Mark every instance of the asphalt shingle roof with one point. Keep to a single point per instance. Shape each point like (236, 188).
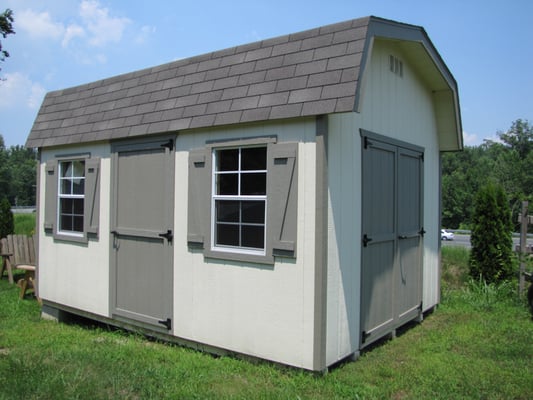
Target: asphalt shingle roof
(307, 73)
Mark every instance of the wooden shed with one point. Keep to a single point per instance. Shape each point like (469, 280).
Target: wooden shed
(278, 199)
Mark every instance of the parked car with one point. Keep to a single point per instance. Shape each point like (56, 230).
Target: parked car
(445, 235)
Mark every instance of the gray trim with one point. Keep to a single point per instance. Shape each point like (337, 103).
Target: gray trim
(321, 244)
(389, 140)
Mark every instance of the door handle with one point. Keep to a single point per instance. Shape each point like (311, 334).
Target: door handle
(167, 235)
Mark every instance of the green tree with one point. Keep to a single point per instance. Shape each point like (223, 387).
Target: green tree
(491, 255)
(7, 224)
(6, 28)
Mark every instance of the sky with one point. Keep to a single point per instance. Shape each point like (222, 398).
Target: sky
(487, 45)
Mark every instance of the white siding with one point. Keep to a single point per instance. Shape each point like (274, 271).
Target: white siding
(264, 311)
(75, 274)
(401, 108)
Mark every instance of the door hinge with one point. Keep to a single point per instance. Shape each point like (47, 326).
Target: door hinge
(167, 235)
(364, 336)
(167, 323)
(421, 232)
(366, 240)
(169, 145)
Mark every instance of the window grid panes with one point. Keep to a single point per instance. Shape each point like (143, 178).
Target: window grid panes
(239, 201)
(71, 196)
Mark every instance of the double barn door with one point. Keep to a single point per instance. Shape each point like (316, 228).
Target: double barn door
(392, 234)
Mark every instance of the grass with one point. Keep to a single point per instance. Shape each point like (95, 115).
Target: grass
(477, 344)
(24, 224)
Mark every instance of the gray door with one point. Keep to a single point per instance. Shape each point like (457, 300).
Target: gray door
(391, 272)
(142, 231)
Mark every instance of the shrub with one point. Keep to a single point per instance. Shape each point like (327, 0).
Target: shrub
(491, 255)
(7, 224)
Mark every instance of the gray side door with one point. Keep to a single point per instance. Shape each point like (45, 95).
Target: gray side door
(379, 240)
(391, 270)
(142, 231)
(410, 232)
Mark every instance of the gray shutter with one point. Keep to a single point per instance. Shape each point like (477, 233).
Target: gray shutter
(198, 198)
(282, 198)
(92, 195)
(50, 195)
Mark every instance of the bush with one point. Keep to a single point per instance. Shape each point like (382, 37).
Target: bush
(7, 224)
(492, 242)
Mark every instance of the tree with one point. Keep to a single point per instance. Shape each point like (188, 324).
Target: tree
(6, 28)
(491, 255)
(7, 224)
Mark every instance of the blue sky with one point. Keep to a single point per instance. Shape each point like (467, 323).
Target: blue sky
(62, 43)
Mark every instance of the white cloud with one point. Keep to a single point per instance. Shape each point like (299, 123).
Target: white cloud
(144, 34)
(470, 139)
(18, 90)
(72, 32)
(102, 27)
(39, 25)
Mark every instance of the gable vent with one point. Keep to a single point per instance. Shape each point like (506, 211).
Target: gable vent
(395, 66)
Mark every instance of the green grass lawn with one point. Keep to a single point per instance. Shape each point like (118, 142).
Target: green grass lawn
(477, 344)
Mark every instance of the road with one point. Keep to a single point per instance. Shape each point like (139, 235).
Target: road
(464, 240)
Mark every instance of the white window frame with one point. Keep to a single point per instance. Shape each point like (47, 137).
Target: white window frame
(61, 196)
(215, 197)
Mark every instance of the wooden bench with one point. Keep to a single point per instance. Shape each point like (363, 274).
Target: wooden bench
(18, 252)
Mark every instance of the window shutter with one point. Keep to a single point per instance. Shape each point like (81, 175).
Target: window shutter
(199, 198)
(92, 195)
(50, 195)
(282, 198)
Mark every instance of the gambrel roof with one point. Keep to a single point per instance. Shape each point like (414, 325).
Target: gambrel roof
(308, 73)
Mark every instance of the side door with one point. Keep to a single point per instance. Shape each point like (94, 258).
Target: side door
(142, 232)
(379, 240)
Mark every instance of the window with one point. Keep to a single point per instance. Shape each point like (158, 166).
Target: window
(242, 200)
(239, 198)
(71, 196)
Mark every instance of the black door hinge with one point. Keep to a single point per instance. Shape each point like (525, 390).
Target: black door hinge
(169, 145)
(167, 235)
(421, 232)
(167, 323)
(366, 240)
(364, 336)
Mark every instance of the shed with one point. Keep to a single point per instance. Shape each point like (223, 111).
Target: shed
(278, 199)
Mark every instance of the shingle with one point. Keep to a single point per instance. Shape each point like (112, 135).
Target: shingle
(145, 108)
(194, 78)
(286, 48)
(330, 51)
(258, 54)
(262, 88)
(200, 87)
(341, 62)
(339, 90)
(311, 67)
(225, 82)
(209, 64)
(318, 41)
(202, 121)
(273, 99)
(286, 111)
(319, 107)
(165, 104)
(268, 63)
(171, 115)
(158, 127)
(349, 35)
(180, 91)
(299, 57)
(244, 103)
(211, 96)
(227, 118)
(324, 78)
(256, 114)
(232, 59)
(194, 110)
(251, 78)
(345, 104)
(152, 117)
(186, 101)
(242, 68)
(217, 73)
(234, 92)
(305, 34)
(219, 107)
(303, 95)
(280, 73)
(180, 124)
